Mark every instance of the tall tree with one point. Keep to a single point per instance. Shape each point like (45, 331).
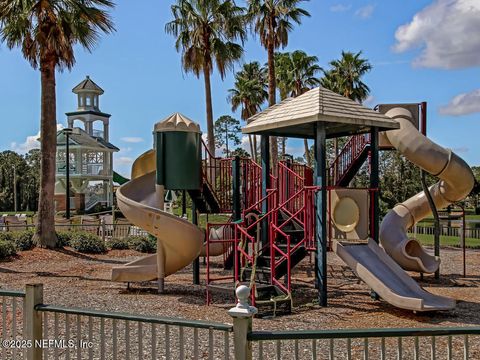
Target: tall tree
(345, 77)
(296, 73)
(207, 33)
(272, 21)
(227, 130)
(249, 93)
(47, 31)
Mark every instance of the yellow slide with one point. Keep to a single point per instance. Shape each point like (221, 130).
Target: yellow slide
(179, 242)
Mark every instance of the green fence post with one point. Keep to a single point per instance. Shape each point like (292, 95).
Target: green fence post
(33, 320)
(242, 315)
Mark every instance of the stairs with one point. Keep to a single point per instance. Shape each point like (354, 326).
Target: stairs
(349, 160)
(205, 200)
(265, 267)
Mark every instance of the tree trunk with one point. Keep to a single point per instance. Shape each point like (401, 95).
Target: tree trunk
(307, 153)
(45, 233)
(272, 87)
(208, 105)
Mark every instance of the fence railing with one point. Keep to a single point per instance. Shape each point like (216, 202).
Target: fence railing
(12, 323)
(455, 231)
(105, 231)
(55, 332)
(415, 343)
(35, 331)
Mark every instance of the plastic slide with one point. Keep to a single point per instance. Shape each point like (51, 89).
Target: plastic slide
(379, 271)
(179, 241)
(456, 182)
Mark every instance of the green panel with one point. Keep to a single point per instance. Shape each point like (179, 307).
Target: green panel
(179, 160)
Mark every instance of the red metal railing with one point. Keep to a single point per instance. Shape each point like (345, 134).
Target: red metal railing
(347, 157)
(251, 188)
(217, 174)
(228, 240)
(303, 216)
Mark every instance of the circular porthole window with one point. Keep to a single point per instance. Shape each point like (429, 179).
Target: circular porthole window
(346, 214)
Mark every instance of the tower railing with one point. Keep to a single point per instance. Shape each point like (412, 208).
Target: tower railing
(348, 155)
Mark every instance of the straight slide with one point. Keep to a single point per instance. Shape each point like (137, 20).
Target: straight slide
(381, 273)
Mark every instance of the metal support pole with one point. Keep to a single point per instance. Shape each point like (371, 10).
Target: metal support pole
(321, 213)
(436, 230)
(184, 203)
(67, 133)
(236, 189)
(196, 262)
(265, 155)
(374, 183)
(464, 245)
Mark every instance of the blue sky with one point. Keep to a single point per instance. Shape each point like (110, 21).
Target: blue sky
(420, 51)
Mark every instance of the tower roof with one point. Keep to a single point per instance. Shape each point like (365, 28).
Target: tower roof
(177, 122)
(88, 85)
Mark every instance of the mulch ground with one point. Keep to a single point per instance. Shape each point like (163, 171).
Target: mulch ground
(80, 280)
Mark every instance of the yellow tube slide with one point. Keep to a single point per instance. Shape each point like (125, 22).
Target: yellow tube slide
(180, 241)
(456, 182)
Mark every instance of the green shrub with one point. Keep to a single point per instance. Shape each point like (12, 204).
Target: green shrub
(64, 238)
(145, 244)
(23, 240)
(86, 242)
(6, 236)
(7, 249)
(118, 244)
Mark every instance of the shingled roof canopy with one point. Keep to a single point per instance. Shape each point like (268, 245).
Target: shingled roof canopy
(87, 85)
(296, 117)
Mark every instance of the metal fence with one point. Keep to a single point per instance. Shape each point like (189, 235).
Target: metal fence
(437, 343)
(12, 308)
(104, 230)
(68, 333)
(33, 330)
(445, 230)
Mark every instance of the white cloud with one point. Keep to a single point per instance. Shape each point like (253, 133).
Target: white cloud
(369, 101)
(463, 104)
(31, 142)
(340, 7)
(123, 160)
(447, 32)
(132, 139)
(365, 12)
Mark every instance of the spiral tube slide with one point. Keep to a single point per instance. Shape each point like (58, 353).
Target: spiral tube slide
(179, 240)
(456, 182)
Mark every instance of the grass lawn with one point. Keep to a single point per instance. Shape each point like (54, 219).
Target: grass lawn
(202, 221)
(447, 240)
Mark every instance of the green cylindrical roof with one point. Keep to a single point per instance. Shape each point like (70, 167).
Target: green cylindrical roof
(177, 122)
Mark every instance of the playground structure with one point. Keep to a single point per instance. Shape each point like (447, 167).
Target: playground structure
(280, 215)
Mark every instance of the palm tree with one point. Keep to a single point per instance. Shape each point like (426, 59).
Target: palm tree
(249, 92)
(296, 73)
(46, 31)
(206, 33)
(272, 21)
(345, 76)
